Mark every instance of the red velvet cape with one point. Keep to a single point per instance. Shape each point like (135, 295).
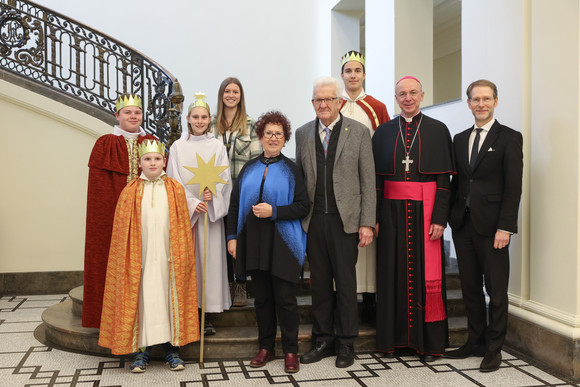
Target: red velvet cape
(108, 171)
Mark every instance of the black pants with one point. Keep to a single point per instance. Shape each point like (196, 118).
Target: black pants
(275, 296)
(478, 259)
(231, 262)
(332, 255)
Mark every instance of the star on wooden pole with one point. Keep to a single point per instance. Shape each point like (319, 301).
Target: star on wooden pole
(207, 175)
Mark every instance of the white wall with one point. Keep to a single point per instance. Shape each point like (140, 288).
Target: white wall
(275, 47)
(414, 43)
(44, 191)
(380, 51)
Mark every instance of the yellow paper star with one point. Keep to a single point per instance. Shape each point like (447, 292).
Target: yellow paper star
(206, 174)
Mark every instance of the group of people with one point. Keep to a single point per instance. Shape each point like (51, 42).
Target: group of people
(358, 177)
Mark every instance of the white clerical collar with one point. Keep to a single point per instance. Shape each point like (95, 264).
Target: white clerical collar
(143, 177)
(410, 119)
(331, 126)
(117, 131)
(487, 126)
(362, 95)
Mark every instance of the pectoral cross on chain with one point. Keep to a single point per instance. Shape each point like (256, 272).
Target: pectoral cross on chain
(407, 161)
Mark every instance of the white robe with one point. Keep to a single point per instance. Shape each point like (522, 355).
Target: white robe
(183, 153)
(154, 304)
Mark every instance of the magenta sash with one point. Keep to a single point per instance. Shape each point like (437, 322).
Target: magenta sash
(424, 192)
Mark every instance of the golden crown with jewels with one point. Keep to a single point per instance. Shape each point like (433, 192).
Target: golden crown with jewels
(149, 146)
(128, 100)
(199, 102)
(353, 55)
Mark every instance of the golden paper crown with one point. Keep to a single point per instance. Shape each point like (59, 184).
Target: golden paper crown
(149, 146)
(128, 100)
(353, 55)
(199, 101)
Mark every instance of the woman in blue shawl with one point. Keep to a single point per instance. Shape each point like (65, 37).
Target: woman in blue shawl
(266, 238)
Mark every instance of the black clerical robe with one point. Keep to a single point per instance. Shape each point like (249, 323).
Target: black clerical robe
(411, 311)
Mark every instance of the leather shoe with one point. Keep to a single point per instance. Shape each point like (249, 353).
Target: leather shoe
(263, 357)
(491, 362)
(427, 358)
(318, 352)
(465, 351)
(291, 363)
(345, 356)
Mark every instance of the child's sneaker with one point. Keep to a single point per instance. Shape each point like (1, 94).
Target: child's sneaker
(140, 361)
(174, 361)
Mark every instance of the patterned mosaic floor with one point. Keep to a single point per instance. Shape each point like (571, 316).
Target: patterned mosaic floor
(24, 361)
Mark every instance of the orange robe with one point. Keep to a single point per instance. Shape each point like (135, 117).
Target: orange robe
(120, 315)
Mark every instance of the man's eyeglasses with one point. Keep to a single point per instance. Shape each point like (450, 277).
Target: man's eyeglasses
(327, 101)
(278, 135)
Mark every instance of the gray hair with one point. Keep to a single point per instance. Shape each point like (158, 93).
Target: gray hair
(328, 81)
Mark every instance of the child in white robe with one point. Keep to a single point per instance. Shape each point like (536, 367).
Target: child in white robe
(183, 157)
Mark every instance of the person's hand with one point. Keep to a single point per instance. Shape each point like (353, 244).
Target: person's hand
(365, 236)
(262, 210)
(232, 246)
(436, 231)
(207, 196)
(376, 230)
(502, 239)
(201, 208)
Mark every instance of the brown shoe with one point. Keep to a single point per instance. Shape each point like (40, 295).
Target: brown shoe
(263, 357)
(291, 363)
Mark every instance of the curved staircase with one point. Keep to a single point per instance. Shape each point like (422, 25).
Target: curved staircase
(237, 333)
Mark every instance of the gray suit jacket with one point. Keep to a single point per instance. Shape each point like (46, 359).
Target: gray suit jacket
(353, 175)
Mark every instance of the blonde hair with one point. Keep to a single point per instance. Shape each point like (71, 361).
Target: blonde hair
(240, 121)
(189, 128)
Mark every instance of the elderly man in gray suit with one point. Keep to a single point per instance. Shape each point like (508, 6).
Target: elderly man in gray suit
(335, 156)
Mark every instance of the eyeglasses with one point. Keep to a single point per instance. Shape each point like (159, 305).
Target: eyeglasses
(485, 100)
(327, 101)
(278, 135)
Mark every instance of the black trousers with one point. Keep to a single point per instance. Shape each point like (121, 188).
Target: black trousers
(275, 296)
(332, 255)
(478, 259)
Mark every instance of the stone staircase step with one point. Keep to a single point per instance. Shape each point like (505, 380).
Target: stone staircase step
(455, 304)
(62, 329)
(457, 331)
(237, 334)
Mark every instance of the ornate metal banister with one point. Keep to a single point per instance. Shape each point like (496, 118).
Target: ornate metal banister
(70, 57)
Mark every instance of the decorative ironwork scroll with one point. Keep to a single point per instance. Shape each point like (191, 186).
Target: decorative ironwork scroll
(49, 48)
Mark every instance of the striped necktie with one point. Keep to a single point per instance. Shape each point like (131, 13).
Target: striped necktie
(326, 140)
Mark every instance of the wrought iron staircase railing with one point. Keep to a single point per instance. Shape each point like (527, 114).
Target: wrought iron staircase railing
(72, 58)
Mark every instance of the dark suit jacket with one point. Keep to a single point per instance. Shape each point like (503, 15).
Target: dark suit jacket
(353, 173)
(495, 184)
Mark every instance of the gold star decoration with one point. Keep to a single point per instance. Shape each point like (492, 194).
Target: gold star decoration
(206, 174)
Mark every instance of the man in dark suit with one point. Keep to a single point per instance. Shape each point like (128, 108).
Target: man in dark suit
(336, 159)
(484, 214)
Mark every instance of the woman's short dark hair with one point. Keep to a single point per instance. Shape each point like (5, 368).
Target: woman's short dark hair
(276, 118)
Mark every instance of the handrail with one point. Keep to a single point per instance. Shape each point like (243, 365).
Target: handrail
(72, 58)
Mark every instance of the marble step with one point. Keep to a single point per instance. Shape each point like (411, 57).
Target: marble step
(62, 329)
(246, 316)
